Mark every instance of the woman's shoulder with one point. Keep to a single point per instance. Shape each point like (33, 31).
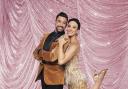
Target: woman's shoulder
(75, 44)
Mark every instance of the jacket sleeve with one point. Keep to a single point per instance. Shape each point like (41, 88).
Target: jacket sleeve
(36, 51)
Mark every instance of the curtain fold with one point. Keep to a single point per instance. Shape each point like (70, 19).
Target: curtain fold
(103, 39)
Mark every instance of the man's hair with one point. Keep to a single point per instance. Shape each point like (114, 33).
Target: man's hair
(62, 14)
(75, 20)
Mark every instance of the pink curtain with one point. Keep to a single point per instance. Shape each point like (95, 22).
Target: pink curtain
(103, 37)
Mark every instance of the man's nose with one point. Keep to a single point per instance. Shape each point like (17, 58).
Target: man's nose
(61, 24)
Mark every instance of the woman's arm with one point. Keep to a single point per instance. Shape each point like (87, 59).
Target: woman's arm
(64, 57)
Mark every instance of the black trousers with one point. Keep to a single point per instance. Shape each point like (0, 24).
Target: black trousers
(45, 86)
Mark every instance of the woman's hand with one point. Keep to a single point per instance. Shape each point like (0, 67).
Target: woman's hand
(63, 40)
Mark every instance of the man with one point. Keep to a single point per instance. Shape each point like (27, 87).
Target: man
(51, 74)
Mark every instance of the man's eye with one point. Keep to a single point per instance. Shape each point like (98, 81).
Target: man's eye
(64, 23)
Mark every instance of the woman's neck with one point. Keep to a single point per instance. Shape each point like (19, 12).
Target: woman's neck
(73, 39)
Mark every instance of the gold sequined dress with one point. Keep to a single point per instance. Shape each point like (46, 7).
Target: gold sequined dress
(74, 78)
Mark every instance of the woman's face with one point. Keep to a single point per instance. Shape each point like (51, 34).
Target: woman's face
(71, 28)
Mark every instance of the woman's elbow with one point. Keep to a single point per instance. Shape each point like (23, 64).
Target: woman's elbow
(61, 62)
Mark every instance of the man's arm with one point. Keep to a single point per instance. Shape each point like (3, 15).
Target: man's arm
(40, 46)
(36, 51)
(39, 55)
(49, 57)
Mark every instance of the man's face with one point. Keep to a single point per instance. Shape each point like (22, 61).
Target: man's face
(61, 23)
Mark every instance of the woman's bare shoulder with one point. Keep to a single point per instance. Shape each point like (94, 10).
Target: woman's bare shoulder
(75, 44)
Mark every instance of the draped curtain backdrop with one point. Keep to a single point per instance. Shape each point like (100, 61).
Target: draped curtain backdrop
(103, 39)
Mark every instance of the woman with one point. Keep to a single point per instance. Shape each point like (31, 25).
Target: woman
(67, 55)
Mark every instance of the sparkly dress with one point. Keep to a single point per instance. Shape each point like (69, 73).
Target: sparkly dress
(74, 78)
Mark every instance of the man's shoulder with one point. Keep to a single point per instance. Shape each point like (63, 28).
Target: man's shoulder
(46, 33)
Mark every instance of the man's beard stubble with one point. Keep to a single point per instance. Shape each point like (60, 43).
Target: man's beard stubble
(59, 30)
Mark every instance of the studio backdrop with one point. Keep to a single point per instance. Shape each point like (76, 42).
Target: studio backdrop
(103, 39)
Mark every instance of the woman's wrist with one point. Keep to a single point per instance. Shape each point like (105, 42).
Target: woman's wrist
(61, 45)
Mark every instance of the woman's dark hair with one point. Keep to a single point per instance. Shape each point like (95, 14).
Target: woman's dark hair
(75, 20)
(62, 14)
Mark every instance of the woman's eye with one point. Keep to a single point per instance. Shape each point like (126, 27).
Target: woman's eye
(68, 25)
(74, 27)
(58, 21)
